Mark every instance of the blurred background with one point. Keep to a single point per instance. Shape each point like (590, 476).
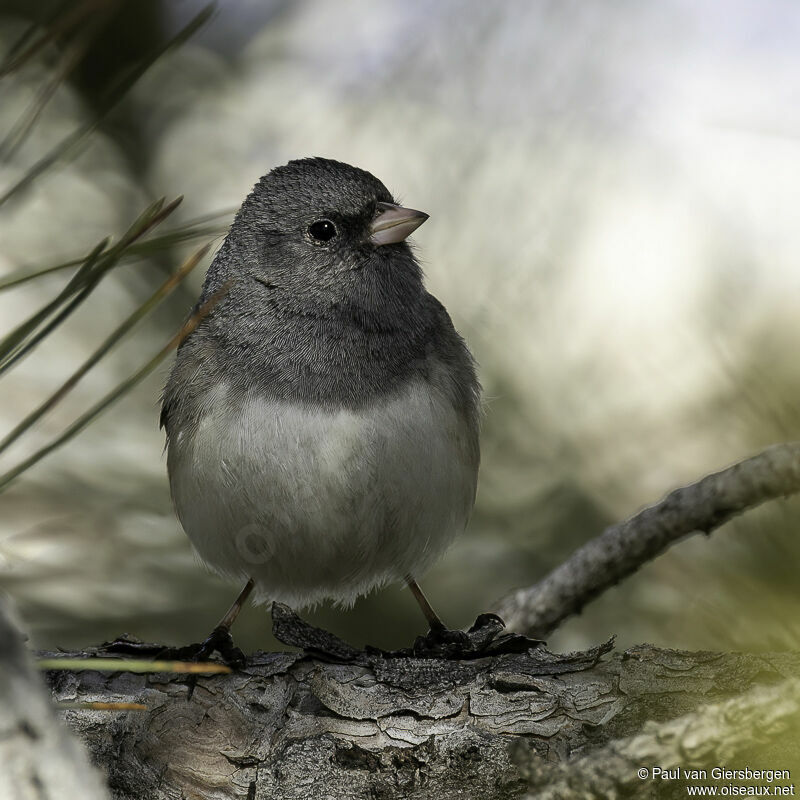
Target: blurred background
(613, 189)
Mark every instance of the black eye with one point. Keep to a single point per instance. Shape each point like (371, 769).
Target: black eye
(323, 230)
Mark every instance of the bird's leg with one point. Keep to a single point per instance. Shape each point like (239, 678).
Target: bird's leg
(233, 612)
(220, 639)
(434, 621)
(484, 637)
(440, 640)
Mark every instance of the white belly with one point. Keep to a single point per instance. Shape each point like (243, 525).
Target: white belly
(323, 505)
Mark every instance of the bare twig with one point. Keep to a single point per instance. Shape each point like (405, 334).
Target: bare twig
(621, 549)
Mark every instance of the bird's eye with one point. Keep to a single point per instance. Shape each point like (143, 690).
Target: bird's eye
(323, 230)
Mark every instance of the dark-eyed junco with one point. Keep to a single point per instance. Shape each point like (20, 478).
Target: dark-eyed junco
(322, 420)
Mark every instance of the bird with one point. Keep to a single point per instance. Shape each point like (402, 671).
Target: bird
(322, 420)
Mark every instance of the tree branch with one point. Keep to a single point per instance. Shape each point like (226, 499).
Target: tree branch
(293, 726)
(621, 549)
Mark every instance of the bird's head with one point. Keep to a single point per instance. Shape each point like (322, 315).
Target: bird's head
(317, 227)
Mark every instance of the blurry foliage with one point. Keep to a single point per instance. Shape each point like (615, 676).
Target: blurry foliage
(121, 83)
(78, 26)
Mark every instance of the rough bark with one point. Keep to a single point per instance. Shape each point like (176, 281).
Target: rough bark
(293, 726)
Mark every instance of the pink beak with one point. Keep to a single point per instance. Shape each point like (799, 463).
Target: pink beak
(393, 223)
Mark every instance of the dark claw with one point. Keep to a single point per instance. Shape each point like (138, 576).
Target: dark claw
(219, 641)
(484, 638)
(441, 643)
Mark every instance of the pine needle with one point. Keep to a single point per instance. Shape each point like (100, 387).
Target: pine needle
(121, 389)
(104, 348)
(132, 665)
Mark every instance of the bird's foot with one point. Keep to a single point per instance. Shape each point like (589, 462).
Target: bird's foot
(441, 642)
(484, 638)
(219, 641)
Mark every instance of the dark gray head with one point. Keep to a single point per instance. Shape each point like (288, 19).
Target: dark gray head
(318, 233)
